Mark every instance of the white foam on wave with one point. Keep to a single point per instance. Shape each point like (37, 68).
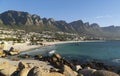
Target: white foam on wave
(52, 52)
(116, 60)
(41, 50)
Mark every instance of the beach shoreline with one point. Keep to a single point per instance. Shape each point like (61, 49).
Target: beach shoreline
(64, 42)
(24, 47)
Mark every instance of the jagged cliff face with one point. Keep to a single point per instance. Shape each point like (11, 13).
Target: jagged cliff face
(35, 22)
(20, 18)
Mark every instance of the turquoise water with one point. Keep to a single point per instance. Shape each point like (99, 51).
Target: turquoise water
(97, 50)
(108, 51)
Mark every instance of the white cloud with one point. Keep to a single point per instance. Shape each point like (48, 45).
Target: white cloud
(106, 16)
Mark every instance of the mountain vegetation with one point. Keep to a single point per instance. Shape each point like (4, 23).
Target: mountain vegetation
(24, 20)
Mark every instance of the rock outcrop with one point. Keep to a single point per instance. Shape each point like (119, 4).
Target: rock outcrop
(6, 69)
(87, 71)
(35, 71)
(13, 51)
(2, 53)
(24, 72)
(49, 69)
(67, 71)
(57, 61)
(12, 17)
(104, 73)
(22, 65)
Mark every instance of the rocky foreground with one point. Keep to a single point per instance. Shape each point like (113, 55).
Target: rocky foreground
(53, 65)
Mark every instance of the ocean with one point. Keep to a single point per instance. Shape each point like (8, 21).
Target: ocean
(105, 51)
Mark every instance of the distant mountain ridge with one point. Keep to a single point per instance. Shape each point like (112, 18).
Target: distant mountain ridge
(34, 22)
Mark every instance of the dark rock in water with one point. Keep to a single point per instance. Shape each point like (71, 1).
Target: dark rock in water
(98, 66)
(104, 73)
(57, 56)
(75, 61)
(57, 61)
(87, 71)
(39, 57)
(25, 56)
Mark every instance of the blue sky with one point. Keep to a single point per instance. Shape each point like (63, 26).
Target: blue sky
(103, 12)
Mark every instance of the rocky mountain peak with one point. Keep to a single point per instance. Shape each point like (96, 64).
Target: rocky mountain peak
(19, 18)
(51, 20)
(95, 25)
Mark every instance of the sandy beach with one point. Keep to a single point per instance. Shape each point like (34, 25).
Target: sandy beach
(60, 42)
(26, 47)
(22, 46)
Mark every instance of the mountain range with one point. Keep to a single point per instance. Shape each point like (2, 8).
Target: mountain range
(28, 22)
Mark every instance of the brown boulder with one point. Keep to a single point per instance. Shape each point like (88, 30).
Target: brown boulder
(87, 71)
(80, 75)
(35, 71)
(58, 62)
(68, 71)
(57, 56)
(53, 74)
(22, 65)
(24, 72)
(6, 69)
(13, 51)
(104, 73)
(2, 54)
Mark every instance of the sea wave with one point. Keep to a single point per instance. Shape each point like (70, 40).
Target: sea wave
(116, 60)
(41, 50)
